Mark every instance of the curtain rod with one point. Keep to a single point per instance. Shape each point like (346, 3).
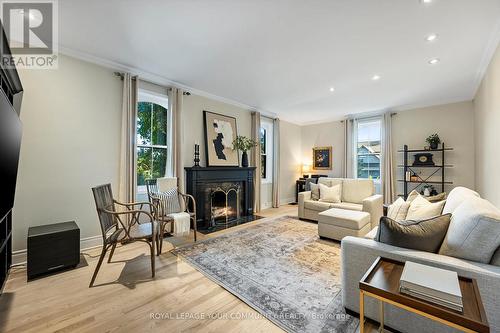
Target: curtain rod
(121, 76)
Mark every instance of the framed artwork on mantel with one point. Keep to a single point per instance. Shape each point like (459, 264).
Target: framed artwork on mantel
(322, 158)
(220, 131)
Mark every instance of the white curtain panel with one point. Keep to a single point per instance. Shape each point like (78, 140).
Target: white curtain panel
(128, 151)
(255, 160)
(175, 101)
(276, 163)
(387, 161)
(347, 168)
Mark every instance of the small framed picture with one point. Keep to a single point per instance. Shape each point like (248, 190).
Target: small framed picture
(322, 158)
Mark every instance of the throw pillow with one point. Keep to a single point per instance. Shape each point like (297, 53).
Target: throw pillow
(474, 232)
(314, 191)
(398, 210)
(437, 197)
(412, 196)
(421, 208)
(425, 235)
(329, 194)
(168, 202)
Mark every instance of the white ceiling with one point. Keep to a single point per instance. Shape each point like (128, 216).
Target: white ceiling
(282, 56)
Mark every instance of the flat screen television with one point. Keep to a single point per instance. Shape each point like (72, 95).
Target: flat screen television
(10, 146)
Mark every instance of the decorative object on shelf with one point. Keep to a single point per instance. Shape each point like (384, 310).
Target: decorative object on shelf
(426, 192)
(413, 177)
(306, 170)
(322, 158)
(196, 155)
(423, 159)
(220, 132)
(433, 141)
(244, 144)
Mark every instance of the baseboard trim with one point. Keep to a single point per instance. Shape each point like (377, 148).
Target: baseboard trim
(20, 257)
(287, 201)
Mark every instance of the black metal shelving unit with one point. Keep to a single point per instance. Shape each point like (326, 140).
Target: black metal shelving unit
(437, 176)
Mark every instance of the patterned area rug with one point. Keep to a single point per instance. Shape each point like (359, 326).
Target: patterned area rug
(280, 268)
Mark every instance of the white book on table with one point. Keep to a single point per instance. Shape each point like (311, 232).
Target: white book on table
(435, 283)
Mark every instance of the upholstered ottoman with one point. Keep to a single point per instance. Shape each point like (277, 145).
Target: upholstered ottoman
(336, 223)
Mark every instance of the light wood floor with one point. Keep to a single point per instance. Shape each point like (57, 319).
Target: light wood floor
(125, 298)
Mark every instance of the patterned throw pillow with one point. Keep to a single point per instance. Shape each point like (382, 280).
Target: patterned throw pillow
(398, 210)
(168, 202)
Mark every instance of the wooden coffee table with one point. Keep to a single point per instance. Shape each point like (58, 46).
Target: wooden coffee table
(381, 282)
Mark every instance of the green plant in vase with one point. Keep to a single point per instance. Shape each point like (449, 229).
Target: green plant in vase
(433, 140)
(244, 144)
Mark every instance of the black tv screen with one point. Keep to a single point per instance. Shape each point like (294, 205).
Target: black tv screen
(10, 146)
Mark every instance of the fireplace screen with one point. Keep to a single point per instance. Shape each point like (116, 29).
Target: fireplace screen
(224, 204)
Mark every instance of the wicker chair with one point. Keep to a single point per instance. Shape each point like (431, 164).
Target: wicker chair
(157, 186)
(122, 226)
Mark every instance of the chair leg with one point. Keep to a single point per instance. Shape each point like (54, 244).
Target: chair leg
(161, 232)
(152, 246)
(112, 252)
(99, 263)
(194, 225)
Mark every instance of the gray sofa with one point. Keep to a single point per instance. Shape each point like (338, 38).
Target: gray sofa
(359, 253)
(357, 194)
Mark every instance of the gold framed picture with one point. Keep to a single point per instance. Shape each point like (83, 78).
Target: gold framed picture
(322, 158)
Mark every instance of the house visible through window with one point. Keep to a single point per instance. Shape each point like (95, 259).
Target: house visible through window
(368, 134)
(263, 155)
(152, 138)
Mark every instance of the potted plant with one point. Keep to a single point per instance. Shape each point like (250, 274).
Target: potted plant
(433, 140)
(244, 144)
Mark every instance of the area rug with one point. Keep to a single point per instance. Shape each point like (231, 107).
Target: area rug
(281, 269)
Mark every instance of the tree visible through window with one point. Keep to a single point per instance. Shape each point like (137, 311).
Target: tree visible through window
(263, 154)
(369, 132)
(151, 141)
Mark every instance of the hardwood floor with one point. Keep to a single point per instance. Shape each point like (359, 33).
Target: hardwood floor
(126, 299)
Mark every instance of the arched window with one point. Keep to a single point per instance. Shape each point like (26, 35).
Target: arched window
(152, 139)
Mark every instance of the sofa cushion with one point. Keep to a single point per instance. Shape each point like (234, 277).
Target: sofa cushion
(344, 218)
(421, 209)
(457, 196)
(348, 206)
(317, 206)
(329, 194)
(424, 235)
(474, 232)
(314, 191)
(372, 234)
(398, 210)
(356, 190)
(412, 196)
(495, 260)
(330, 181)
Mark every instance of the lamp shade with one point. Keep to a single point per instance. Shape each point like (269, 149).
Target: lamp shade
(306, 168)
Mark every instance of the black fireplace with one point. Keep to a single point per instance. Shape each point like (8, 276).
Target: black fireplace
(224, 195)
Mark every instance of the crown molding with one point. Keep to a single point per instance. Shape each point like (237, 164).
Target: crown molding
(155, 78)
(488, 53)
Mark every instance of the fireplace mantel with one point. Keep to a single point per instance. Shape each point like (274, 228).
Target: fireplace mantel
(198, 178)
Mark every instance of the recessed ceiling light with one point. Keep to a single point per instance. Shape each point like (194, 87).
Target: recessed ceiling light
(434, 61)
(431, 37)
(376, 77)
(332, 89)
(426, 1)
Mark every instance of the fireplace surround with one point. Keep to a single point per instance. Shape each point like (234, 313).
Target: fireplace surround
(223, 194)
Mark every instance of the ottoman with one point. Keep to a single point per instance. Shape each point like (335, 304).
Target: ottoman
(336, 223)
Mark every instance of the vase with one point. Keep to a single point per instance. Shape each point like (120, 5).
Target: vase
(244, 159)
(434, 145)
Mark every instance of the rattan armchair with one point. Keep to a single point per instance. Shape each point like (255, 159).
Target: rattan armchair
(160, 210)
(123, 226)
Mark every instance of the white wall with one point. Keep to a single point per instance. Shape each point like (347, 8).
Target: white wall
(71, 132)
(290, 160)
(322, 135)
(487, 124)
(453, 123)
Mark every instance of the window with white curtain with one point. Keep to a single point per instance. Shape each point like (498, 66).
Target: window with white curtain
(152, 139)
(367, 138)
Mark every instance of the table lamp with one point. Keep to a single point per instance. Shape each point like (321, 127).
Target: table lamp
(306, 169)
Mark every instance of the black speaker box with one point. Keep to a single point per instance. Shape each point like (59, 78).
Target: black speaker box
(53, 247)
